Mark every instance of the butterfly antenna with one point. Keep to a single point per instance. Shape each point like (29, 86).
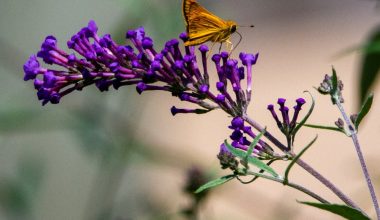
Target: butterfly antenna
(241, 37)
(251, 26)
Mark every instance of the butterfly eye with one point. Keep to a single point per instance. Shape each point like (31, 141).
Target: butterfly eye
(233, 28)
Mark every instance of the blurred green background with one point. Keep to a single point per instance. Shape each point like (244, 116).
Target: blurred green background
(118, 155)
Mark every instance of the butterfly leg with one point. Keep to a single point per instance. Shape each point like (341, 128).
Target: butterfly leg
(210, 51)
(220, 46)
(230, 46)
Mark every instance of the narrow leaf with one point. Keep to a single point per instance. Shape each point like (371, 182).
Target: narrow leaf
(334, 82)
(214, 183)
(344, 211)
(236, 152)
(303, 121)
(370, 66)
(252, 160)
(253, 144)
(296, 158)
(261, 165)
(324, 127)
(364, 110)
(262, 171)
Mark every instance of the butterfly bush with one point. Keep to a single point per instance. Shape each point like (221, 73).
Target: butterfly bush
(100, 61)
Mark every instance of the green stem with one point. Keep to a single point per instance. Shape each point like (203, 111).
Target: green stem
(292, 185)
(303, 164)
(355, 140)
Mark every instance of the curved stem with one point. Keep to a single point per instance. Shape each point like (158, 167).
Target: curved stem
(327, 183)
(355, 140)
(303, 164)
(292, 185)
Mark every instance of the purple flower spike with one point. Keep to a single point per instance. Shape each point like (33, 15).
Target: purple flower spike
(188, 58)
(249, 59)
(236, 135)
(285, 115)
(220, 98)
(175, 111)
(140, 87)
(220, 86)
(49, 43)
(216, 58)
(156, 65)
(203, 48)
(300, 102)
(31, 68)
(297, 109)
(242, 56)
(103, 85)
(131, 34)
(203, 89)
(92, 27)
(183, 36)
(184, 97)
(49, 80)
(147, 43)
(55, 98)
(237, 123)
(171, 43)
(281, 102)
(226, 158)
(179, 65)
(140, 33)
(242, 137)
(224, 149)
(102, 62)
(38, 84)
(114, 67)
(274, 115)
(224, 54)
(287, 126)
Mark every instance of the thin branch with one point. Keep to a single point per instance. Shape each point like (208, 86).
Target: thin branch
(303, 164)
(354, 137)
(292, 185)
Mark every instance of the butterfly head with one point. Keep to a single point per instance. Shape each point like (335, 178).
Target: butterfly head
(232, 25)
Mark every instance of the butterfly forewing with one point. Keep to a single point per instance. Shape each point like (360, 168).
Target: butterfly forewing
(202, 25)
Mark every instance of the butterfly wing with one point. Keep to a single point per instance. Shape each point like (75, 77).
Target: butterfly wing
(202, 25)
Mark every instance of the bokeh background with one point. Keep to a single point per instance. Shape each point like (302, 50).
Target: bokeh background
(120, 155)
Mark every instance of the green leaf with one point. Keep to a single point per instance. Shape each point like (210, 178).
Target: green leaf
(252, 160)
(303, 121)
(324, 127)
(236, 152)
(295, 160)
(342, 210)
(370, 66)
(214, 183)
(334, 82)
(253, 144)
(372, 47)
(364, 110)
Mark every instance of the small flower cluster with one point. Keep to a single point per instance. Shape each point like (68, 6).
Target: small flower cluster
(100, 61)
(327, 87)
(240, 141)
(287, 126)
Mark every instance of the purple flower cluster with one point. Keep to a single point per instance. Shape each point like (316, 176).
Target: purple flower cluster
(287, 126)
(240, 140)
(100, 61)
